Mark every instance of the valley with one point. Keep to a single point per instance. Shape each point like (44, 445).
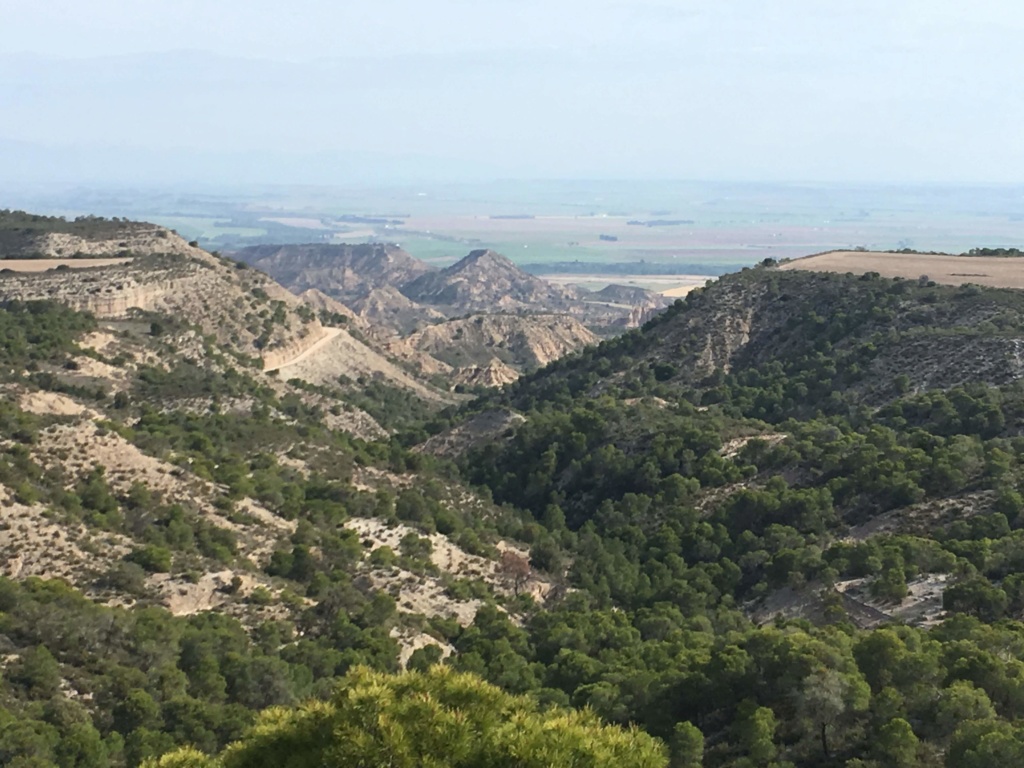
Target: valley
(778, 521)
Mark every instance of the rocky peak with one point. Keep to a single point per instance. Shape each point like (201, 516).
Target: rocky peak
(483, 258)
(485, 281)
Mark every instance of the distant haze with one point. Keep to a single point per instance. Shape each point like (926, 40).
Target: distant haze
(190, 91)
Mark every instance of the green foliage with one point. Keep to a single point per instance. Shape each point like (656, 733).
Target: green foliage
(668, 527)
(392, 407)
(82, 226)
(157, 681)
(669, 503)
(151, 558)
(37, 331)
(435, 718)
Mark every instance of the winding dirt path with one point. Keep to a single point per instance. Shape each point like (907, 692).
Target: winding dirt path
(331, 334)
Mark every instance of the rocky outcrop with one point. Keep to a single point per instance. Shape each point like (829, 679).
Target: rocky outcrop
(389, 288)
(485, 281)
(344, 272)
(291, 351)
(387, 307)
(243, 309)
(519, 341)
(494, 374)
(110, 239)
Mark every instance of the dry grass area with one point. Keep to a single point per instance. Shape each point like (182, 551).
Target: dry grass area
(732, 448)
(679, 291)
(35, 543)
(426, 594)
(949, 270)
(53, 404)
(340, 353)
(42, 265)
(921, 607)
(77, 447)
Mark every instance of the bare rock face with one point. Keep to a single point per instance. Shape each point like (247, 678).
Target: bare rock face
(344, 272)
(494, 374)
(388, 307)
(485, 281)
(243, 309)
(340, 354)
(390, 289)
(519, 341)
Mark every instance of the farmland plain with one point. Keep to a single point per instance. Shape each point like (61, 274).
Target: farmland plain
(627, 230)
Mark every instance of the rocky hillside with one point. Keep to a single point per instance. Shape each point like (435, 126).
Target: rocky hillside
(241, 307)
(27, 236)
(884, 337)
(781, 524)
(381, 288)
(522, 342)
(261, 324)
(388, 307)
(325, 306)
(345, 272)
(390, 288)
(485, 281)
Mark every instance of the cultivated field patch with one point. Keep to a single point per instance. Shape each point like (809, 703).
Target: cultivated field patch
(949, 270)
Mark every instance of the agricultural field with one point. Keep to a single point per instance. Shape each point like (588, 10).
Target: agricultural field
(998, 272)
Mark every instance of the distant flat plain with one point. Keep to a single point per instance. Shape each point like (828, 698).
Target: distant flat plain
(672, 286)
(950, 270)
(632, 231)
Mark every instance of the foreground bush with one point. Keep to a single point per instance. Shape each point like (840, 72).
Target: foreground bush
(434, 719)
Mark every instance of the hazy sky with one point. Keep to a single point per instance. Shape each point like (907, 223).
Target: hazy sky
(304, 91)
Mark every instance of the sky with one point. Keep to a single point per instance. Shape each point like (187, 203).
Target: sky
(315, 91)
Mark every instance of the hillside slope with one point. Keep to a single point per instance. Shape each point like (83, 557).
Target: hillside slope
(757, 529)
(169, 514)
(346, 272)
(485, 281)
(866, 339)
(390, 288)
(242, 309)
(522, 342)
(24, 236)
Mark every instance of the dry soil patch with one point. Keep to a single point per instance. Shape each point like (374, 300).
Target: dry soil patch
(949, 270)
